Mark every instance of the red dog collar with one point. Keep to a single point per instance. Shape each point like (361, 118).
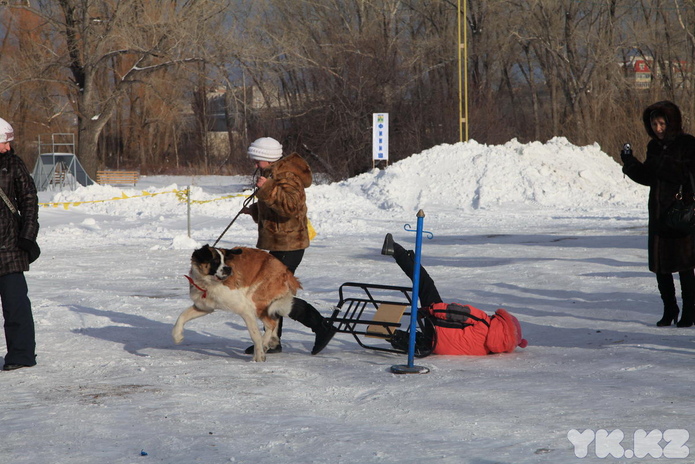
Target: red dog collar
(205, 292)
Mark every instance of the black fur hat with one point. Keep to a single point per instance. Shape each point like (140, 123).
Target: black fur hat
(671, 114)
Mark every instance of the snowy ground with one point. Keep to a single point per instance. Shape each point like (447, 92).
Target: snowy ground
(552, 232)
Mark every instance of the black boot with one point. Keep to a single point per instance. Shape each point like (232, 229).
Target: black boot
(387, 247)
(670, 315)
(687, 279)
(686, 319)
(667, 291)
(277, 349)
(308, 316)
(324, 334)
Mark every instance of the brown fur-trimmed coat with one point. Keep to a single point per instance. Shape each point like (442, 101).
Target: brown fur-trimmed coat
(664, 170)
(281, 211)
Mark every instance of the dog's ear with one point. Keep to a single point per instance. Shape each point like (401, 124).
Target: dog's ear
(202, 255)
(234, 251)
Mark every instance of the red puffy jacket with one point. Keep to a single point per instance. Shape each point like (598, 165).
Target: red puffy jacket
(465, 330)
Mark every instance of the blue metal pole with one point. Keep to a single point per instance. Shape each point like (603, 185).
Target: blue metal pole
(416, 288)
(410, 368)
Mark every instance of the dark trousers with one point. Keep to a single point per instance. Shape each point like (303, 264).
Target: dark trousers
(19, 322)
(291, 259)
(427, 291)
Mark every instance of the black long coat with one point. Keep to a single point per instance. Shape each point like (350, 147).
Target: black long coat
(664, 170)
(18, 185)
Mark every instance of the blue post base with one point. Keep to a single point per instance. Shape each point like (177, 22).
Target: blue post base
(406, 369)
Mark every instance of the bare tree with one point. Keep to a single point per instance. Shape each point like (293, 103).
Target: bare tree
(98, 50)
(323, 68)
(135, 76)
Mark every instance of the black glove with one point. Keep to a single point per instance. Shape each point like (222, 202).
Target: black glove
(31, 247)
(626, 154)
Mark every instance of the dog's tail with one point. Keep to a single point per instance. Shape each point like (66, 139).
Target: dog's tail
(293, 283)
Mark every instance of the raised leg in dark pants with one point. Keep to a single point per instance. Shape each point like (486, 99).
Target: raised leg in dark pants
(428, 292)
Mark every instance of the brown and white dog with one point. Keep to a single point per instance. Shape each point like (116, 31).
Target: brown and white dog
(247, 281)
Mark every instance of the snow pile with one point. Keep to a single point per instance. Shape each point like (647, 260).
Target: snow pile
(471, 176)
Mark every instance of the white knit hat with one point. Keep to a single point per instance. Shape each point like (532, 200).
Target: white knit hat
(6, 131)
(265, 149)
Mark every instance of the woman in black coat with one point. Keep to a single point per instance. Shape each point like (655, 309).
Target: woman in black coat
(670, 157)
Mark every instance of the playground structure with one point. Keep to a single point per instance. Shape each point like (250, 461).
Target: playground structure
(57, 165)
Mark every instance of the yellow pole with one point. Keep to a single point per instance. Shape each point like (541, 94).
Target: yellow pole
(463, 71)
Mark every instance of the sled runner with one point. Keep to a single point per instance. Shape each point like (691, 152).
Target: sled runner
(371, 313)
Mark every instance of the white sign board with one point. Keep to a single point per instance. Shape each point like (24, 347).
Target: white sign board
(380, 136)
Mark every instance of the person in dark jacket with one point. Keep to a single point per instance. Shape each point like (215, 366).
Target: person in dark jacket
(670, 158)
(17, 249)
(281, 215)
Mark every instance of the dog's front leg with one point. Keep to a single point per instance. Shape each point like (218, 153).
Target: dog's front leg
(258, 349)
(270, 336)
(189, 314)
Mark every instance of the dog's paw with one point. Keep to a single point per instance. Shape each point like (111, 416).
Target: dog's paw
(258, 357)
(177, 336)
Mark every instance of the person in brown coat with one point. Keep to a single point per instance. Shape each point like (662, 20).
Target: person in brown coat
(18, 249)
(281, 214)
(670, 157)
(281, 211)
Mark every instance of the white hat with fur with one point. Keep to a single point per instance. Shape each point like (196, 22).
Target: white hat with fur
(265, 149)
(6, 131)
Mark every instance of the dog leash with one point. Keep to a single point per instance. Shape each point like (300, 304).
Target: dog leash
(190, 279)
(244, 205)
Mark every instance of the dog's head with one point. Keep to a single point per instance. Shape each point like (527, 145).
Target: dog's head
(209, 261)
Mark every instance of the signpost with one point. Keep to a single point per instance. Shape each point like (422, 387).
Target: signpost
(380, 138)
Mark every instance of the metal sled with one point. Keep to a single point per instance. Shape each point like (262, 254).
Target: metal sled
(372, 313)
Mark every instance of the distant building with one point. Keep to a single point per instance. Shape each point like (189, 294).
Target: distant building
(642, 71)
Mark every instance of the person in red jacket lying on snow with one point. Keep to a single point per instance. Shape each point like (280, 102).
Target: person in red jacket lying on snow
(451, 328)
